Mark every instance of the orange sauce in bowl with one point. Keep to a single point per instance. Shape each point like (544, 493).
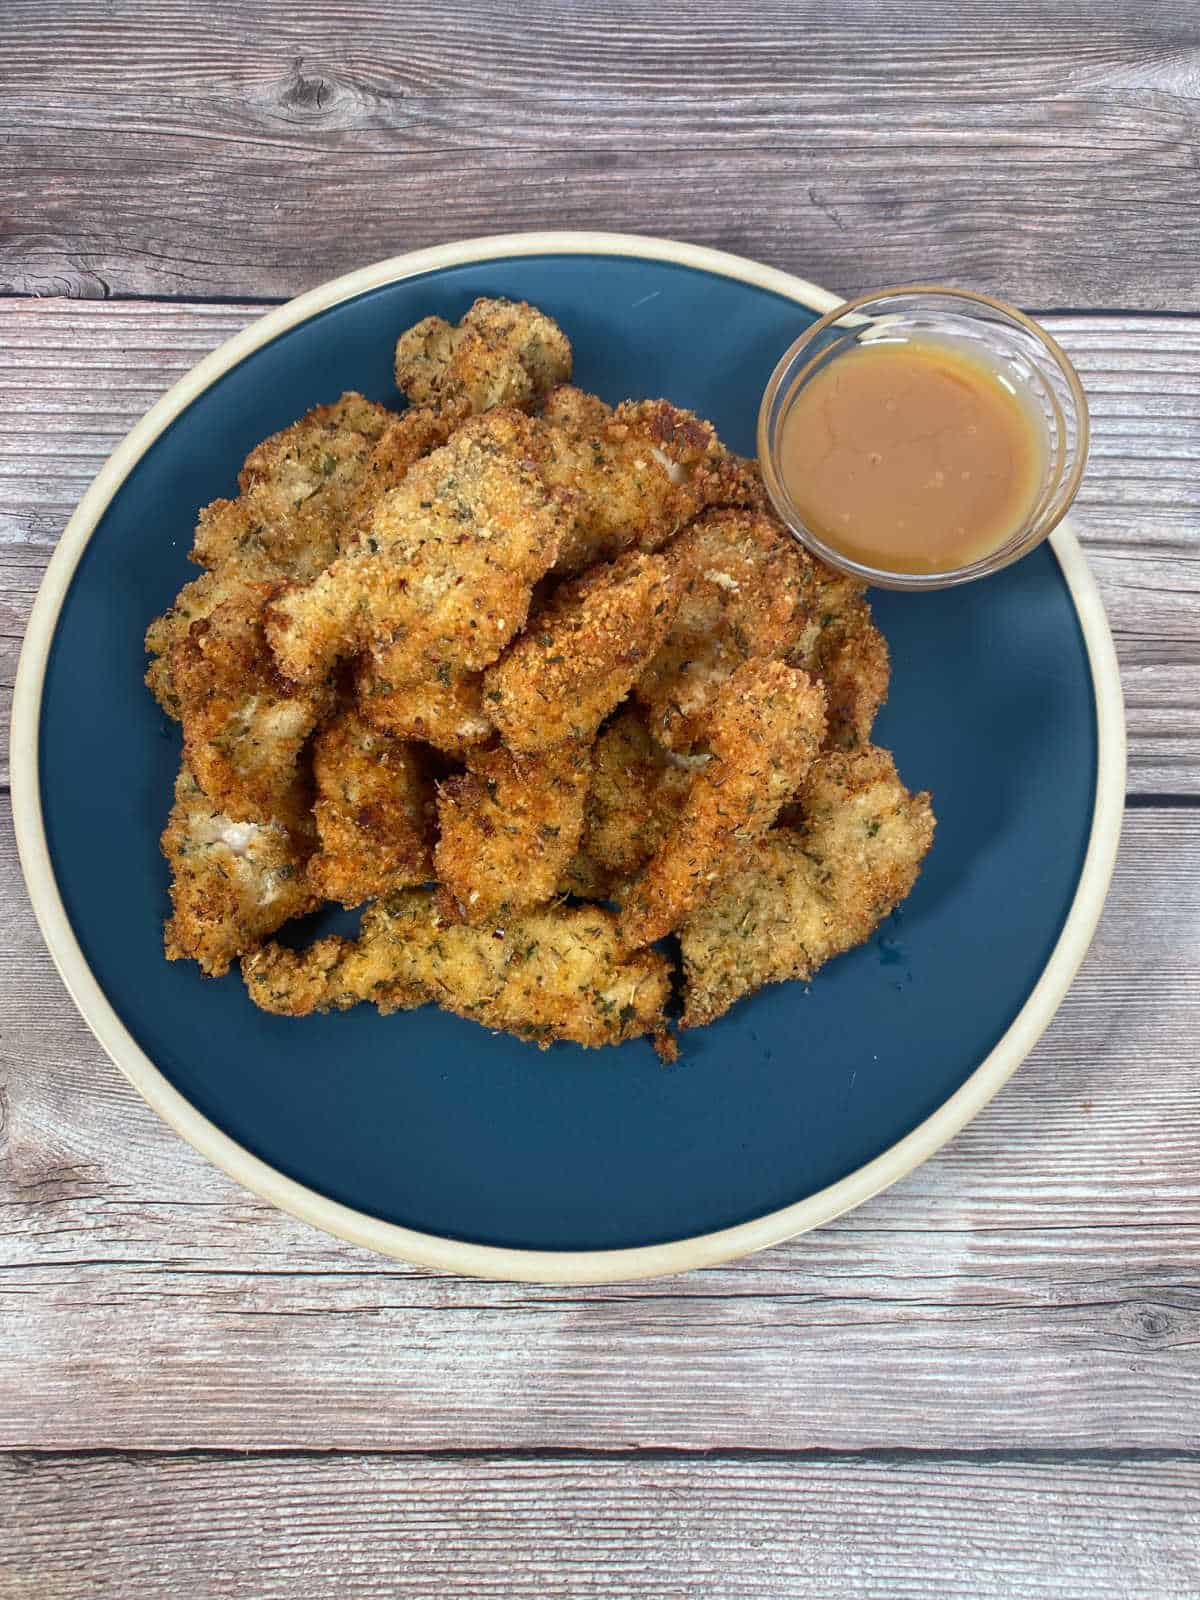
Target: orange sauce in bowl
(913, 455)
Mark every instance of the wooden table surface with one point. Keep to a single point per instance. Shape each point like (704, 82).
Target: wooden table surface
(985, 1382)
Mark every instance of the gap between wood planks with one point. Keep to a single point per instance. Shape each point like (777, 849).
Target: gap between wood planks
(884, 1456)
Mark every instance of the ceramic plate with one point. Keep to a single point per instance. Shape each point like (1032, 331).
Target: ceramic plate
(423, 1136)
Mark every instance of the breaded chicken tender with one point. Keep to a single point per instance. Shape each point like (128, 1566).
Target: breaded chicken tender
(195, 602)
(635, 797)
(508, 827)
(765, 729)
(374, 812)
(244, 726)
(233, 883)
(299, 492)
(740, 577)
(547, 975)
(581, 653)
(406, 440)
(442, 574)
(502, 353)
(797, 897)
(574, 411)
(633, 479)
(738, 485)
(446, 712)
(840, 644)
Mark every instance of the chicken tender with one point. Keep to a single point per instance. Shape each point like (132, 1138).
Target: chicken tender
(737, 485)
(374, 812)
(299, 492)
(195, 602)
(502, 353)
(798, 897)
(298, 489)
(446, 712)
(840, 644)
(633, 801)
(741, 579)
(574, 411)
(547, 975)
(766, 727)
(244, 726)
(582, 652)
(233, 883)
(634, 480)
(635, 797)
(509, 826)
(406, 440)
(441, 576)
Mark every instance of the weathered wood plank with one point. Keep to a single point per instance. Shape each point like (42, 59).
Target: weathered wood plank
(1049, 157)
(108, 1528)
(74, 377)
(1034, 1285)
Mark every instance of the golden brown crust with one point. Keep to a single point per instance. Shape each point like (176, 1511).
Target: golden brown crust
(547, 975)
(740, 578)
(581, 653)
(839, 643)
(300, 490)
(194, 602)
(766, 727)
(634, 799)
(634, 478)
(446, 712)
(501, 353)
(795, 898)
(233, 883)
(244, 727)
(406, 440)
(374, 812)
(508, 829)
(442, 574)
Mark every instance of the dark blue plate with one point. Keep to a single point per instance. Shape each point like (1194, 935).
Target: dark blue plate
(429, 1122)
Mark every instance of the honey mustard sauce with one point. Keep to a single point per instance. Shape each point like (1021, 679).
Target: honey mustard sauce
(913, 455)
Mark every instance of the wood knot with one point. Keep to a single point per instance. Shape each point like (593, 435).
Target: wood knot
(312, 95)
(1155, 1324)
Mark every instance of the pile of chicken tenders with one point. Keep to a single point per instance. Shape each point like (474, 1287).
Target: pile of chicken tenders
(536, 681)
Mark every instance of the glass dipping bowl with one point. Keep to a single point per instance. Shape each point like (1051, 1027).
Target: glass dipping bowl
(1006, 339)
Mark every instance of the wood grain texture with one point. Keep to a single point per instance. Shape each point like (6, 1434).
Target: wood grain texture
(1034, 1285)
(545, 1529)
(74, 377)
(1031, 148)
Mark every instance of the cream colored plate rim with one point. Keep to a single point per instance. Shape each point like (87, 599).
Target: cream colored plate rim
(449, 1255)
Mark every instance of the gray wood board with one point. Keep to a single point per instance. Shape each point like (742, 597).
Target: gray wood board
(520, 1529)
(1044, 151)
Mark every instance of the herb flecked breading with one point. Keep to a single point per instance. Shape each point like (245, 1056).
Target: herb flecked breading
(508, 827)
(298, 491)
(798, 896)
(374, 812)
(765, 730)
(233, 883)
(441, 574)
(581, 653)
(553, 974)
